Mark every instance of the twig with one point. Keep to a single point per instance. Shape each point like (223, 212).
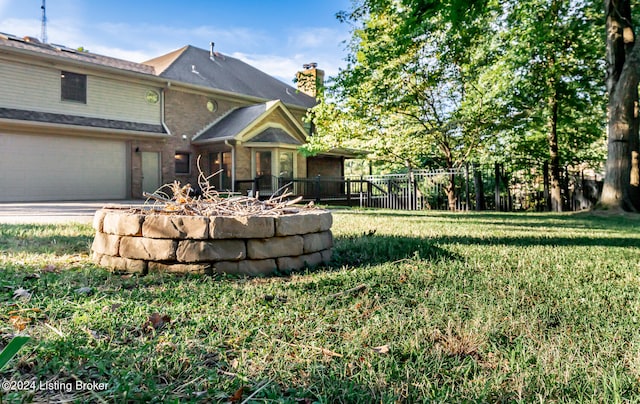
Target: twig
(401, 260)
(210, 202)
(54, 329)
(320, 349)
(246, 400)
(230, 374)
(348, 291)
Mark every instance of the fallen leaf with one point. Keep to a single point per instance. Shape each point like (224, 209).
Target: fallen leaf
(19, 323)
(382, 349)
(156, 321)
(237, 396)
(50, 268)
(33, 309)
(21, 294)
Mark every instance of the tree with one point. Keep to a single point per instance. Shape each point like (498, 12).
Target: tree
(557, 98)
(620, 191)
(420, 84)
(442, 82)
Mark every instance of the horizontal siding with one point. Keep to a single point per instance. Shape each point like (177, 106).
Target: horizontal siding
(37, 88)
(41, 168)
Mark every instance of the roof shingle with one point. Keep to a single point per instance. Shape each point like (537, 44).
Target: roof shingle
(62, 119)
(195, 66)
(11, 41)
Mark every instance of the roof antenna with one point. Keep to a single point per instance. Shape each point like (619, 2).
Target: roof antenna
(43, 33)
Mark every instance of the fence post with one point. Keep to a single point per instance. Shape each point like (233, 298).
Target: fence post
(505, 181)
(348, 192)
(414, 184)
(255, 187)
(318, 189)
(467, 197)
(497, 187)
(478, 187)
(547, 193)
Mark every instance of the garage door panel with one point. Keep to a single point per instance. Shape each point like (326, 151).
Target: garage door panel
(36, 168)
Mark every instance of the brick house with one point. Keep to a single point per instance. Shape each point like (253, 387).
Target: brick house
(80, 126)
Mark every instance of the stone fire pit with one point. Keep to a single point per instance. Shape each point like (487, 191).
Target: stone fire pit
(140, 241)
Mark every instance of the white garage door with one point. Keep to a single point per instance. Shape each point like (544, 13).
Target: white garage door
(46, 168)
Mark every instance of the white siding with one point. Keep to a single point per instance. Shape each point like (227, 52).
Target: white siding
(37, 88)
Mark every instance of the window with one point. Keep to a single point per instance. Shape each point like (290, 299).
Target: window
(73, 87)
(221, 163)
(183, 163)
(286, 165)
(152, 97)
(263, 163)
(212, 105)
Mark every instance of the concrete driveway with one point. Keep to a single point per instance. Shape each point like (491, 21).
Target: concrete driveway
(56, 212)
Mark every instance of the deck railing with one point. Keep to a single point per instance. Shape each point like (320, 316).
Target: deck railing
(474, 188)
(415, 191)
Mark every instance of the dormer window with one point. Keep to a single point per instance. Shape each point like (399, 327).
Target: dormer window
(73, 87)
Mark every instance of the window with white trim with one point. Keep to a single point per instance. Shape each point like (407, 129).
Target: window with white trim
(73, 87)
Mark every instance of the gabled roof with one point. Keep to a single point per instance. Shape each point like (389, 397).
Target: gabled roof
(275, 135)
(243, 121)
(232, 124)
(189, 65)
(61, 51)
(196, 66)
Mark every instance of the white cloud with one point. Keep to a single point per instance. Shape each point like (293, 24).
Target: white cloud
(283, 68)
(124, 54)
(21, 27)
(316, 37)
(279, 57)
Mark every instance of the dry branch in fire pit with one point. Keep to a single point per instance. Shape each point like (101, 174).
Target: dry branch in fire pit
(177, 199)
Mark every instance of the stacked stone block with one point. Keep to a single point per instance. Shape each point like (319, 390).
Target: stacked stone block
(251, 245)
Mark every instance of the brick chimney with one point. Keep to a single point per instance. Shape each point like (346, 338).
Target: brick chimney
(310, 79)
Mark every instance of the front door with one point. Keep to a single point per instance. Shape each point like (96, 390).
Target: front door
(150, 171)
(263, 171)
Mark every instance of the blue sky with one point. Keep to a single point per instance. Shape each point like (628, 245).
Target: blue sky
(277, 37)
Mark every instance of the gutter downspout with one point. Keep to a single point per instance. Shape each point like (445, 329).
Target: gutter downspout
(162, 105)
(233, 165)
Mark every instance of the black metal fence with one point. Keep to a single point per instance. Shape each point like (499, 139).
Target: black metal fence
(472, 188)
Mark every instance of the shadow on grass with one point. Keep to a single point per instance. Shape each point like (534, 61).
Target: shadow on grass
(579, 220)
(37, 238)
(544, 241)
(379, 249)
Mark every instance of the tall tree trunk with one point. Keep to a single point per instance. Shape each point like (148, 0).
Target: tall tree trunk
(450, 190)
(552, 122)
(622, 84)
(634, 145)
(546, 195)
(478, 185)
(554, 155)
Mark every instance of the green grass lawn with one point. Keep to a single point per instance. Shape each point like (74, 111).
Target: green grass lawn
(415, 307)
